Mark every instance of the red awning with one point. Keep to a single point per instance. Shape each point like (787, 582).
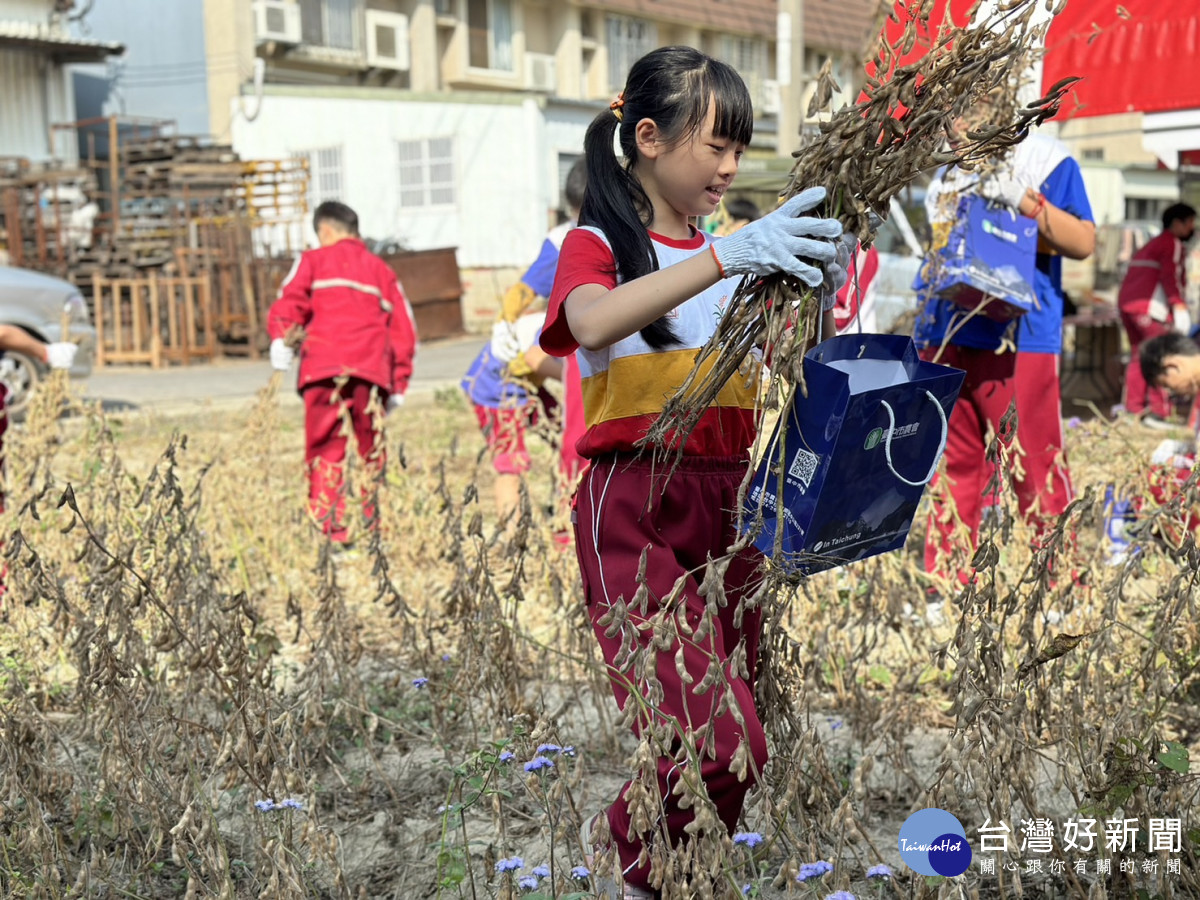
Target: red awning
(1136, 55)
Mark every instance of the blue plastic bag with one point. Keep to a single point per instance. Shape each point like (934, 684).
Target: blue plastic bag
(989, 254)
(857, 453)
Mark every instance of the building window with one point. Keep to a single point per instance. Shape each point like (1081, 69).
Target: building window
(749, 57)
(1094, 154)
(1145, 209)
(489, 34)
(331, 23)
(324, 175)
(426, 173)
(628, 41)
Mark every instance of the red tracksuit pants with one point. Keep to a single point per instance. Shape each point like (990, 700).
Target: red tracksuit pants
(331, 414)
(1045, 491)
(987, 391)
(624, 508)
(1042, 486)
(1139, 395)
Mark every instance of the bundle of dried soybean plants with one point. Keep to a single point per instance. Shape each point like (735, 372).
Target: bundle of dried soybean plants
(867, 153)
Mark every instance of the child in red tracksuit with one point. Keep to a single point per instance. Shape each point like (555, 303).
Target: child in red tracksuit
(356, 355)
(1152, 302)
(637, 292)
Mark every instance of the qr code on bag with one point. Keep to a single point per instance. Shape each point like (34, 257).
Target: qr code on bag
(804, 466)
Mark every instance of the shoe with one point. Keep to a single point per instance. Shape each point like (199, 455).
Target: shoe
(607, 887)
(1157, 422)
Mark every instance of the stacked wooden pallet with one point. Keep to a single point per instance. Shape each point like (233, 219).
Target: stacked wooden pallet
(38, 228)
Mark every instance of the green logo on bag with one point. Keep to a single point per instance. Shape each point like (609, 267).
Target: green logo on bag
(873, 439)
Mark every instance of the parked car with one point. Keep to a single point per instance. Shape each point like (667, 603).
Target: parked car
(45, 307)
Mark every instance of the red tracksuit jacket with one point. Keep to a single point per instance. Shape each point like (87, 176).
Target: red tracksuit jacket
(1156, 279)
(356, 319)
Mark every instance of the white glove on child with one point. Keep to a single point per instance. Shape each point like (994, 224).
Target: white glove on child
(395, 401)
(1003, 187)
(281, 355)
(61, 355)
(776, 242)
(1181, 320)
(1172, 453)
(506, 346)
(837, 273)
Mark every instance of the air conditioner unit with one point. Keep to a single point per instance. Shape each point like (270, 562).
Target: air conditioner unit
(387, 40)
(540, 72)
(770, 96)
(275, 20)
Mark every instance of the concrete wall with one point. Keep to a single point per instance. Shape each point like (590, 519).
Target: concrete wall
(36, 94)
(164, 72)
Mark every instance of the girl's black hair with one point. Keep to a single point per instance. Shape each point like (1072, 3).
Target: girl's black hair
(673, 86)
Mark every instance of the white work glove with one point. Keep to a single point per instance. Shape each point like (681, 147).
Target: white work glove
(281, 355)
(777, 241)
(1172, 453)
(837, 273)
(395, 401)
(61, 355)
(1002, 187)
(1181, 320)
(506, 346)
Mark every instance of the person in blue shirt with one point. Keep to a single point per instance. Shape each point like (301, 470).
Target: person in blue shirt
(1006, 363)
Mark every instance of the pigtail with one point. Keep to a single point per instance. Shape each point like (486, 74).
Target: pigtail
(616, 204)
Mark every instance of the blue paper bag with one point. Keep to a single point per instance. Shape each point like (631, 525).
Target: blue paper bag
(855, 454)
(988, 254)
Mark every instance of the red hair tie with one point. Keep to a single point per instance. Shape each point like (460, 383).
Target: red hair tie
(617, 105)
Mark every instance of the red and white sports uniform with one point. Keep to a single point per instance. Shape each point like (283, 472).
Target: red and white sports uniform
(358, 326)
(1151, 292)
(626, 505)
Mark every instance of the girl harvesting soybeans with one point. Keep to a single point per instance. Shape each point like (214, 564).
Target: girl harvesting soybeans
(638, 291)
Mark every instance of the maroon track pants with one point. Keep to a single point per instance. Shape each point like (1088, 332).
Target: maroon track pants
(330, 414)
(993, 381)
(1045, 491)
(625, 507)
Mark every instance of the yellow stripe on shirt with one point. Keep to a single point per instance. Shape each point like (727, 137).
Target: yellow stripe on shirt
(640, 385)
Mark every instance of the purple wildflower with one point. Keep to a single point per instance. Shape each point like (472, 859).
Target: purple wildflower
(539, 762)
(579, 873)
(879, 871)
(748, 838)
(510, 864)
(1074, 422)
(840, 895)
(548, 748)
(809, 871)
(291, 803)
(265, 805)
(506, 756)
(542, 871)
(529, 882)
(419, 683)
